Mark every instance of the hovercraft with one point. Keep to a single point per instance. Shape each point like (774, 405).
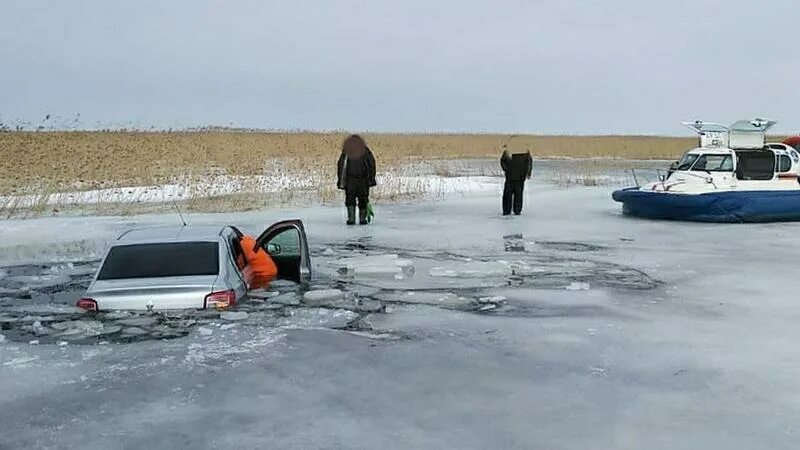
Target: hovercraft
(733, 176)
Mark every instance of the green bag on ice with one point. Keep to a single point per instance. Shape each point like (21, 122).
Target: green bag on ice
(370, 213)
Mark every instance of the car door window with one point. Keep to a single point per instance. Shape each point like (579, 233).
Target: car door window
(286, 243)
(237, 253)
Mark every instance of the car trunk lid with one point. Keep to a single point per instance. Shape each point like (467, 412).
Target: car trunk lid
(185, 292)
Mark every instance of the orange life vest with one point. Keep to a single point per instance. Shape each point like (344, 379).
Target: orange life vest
(260, 268)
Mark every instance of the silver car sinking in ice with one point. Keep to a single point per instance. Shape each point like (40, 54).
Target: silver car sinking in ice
(189, 267)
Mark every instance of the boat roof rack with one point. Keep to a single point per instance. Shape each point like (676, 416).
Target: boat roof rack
(742, 134)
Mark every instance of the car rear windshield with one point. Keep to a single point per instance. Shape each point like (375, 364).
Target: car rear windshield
(161, 260)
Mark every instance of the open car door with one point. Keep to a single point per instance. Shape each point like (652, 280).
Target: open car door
(286, 243)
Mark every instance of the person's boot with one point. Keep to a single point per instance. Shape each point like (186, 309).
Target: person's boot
(362, 216)
(351, 215)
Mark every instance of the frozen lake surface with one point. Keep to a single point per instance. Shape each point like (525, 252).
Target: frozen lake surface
(442, 325)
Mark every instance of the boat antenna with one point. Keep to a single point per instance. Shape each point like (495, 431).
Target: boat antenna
(180, 214)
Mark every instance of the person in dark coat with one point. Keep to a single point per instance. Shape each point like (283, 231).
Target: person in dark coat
(517, 167)
(356, 175)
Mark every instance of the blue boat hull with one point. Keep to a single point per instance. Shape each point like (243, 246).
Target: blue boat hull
(730, 206)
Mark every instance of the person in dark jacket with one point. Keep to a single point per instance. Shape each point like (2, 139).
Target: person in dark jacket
(356, 175)
(517, 167)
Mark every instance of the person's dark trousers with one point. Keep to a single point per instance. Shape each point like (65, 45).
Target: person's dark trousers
(351, 197)
(512, 196)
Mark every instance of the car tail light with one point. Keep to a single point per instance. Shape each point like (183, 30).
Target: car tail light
(88, 304)
(221, 299)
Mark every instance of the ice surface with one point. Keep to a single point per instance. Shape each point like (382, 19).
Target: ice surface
(681, 330)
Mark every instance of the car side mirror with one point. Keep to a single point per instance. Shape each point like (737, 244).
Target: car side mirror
(662, 178)
(273, 249)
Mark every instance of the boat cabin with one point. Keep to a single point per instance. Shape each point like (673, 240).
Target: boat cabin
(773, 161)
(736, 153)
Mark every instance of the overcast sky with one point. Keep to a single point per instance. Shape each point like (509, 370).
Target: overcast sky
(538, 66)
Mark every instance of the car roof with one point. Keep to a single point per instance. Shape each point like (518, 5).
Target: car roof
(172, 234)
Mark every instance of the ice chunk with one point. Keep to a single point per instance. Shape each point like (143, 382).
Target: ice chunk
(2, 338)
(496, 299)
(376, 335)
(228, 326)
(34, 342)
(374, 265)
(138, 322)
(40, 330)
(77, 327)
(476, 269)
(445, 299)
(23, 360)
(404, 263)
(115, 315)
(205, 331)
(318, 317)
(134, 331)
(15, 293)
(289, 299)
(323, 295)
(47, 309)
(233, 315)
(278, 284)
(63, 343)
(263, 294)
(369, 306)
(328, 252)
(578, 286)
(110, 329)
(40, 281)
(7, 319)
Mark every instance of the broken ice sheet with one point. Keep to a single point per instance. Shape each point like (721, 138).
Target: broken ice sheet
(233, 315)
(495, 299)
(289, 299)
(322, 295)
(477, 269)
(374, 266)
(578, 286)
(445, 299)
(263, 294)
(318, 318)
(39, 281)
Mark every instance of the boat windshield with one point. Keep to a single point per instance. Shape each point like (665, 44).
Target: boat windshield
(687, 161)
(713, 163)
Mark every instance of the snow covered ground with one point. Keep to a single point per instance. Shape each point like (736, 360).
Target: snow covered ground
(221, 185)
(442, 325)
(437, 179)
